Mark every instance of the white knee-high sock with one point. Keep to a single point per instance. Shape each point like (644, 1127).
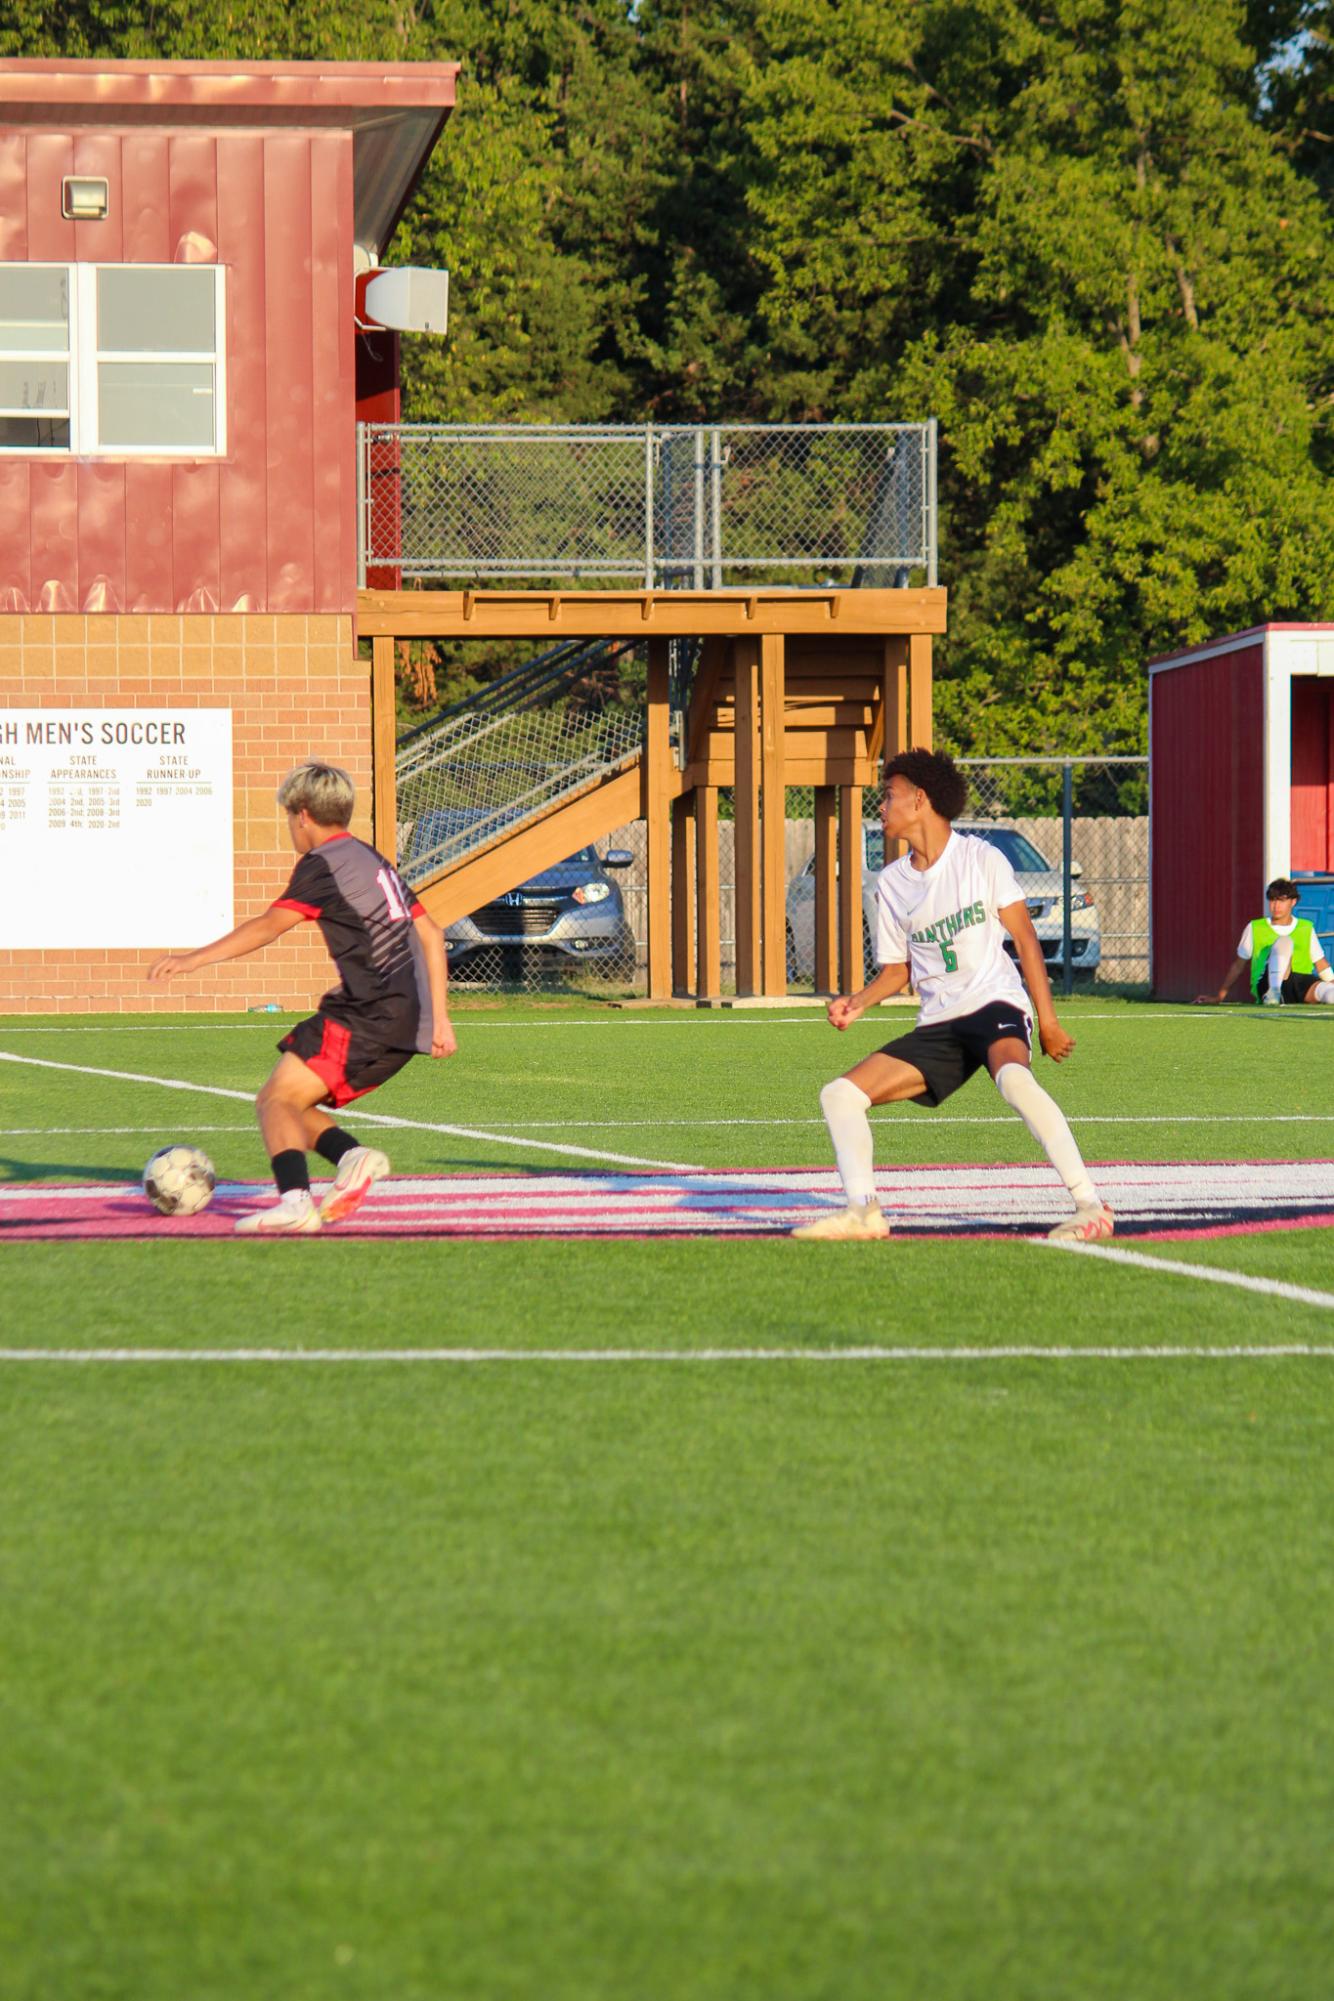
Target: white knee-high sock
(1280, 959)
(845, 1108)
(1324, 991)
(1047, 1123)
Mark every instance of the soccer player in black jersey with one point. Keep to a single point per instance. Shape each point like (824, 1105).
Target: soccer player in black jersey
(390, 1006)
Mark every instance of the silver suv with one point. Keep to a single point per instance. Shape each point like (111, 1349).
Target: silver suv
(1038, 881)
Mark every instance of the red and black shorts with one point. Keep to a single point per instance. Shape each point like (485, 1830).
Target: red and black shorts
(349, 1063)
(947, 1053)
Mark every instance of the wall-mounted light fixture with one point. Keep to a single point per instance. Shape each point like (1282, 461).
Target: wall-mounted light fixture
(83, 199)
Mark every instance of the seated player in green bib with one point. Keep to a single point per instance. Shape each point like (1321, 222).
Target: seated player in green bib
(1286, 959)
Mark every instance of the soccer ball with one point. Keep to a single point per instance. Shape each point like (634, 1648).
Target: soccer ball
(179, 1181)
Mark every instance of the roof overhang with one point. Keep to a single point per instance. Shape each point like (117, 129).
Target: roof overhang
(394, 112)
(1233, 642)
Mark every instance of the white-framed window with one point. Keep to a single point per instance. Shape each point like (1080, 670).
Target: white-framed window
(35, 376)
(113, 360)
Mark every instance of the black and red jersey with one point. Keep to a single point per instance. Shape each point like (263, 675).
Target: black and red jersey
(365, 911)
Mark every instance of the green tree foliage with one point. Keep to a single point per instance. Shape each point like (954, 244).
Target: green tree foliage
(1296, 87)
(1066, 234)
(1092, 237)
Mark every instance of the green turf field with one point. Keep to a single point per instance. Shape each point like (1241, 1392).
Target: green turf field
(780, 1680)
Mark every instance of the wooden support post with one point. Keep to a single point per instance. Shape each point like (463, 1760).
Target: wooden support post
(919, 689)
(773, 793)
(746, 657)
(708, 893)
(384, 740)
(657, 820)
(895, 695)
(851, 963)
(683, 896)
(826, 890)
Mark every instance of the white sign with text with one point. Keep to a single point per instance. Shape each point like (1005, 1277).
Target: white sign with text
(115, 828)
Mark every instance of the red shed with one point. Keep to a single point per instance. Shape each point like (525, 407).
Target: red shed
(1241, 789)
(179, 381)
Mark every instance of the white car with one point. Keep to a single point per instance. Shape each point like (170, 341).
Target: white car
(1039, 882)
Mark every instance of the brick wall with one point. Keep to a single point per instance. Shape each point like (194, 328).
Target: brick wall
(295, 689)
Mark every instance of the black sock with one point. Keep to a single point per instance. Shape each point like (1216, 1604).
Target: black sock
(333, 1143)
(290, 1170)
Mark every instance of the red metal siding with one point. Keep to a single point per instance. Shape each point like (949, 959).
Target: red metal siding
(272, 525)
(244, 526)
(13, 197)
(290, 323)
(1312, 773)
(334, 412)
(1207, 815)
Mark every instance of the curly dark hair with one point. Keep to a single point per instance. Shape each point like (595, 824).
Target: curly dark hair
(932, 772)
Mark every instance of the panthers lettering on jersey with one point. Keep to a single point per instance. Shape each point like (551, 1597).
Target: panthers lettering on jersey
(942, 922)
(365, 910)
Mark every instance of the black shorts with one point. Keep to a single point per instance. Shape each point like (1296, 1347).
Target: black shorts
(948, 1052)
(349, 1063)
(1294, 988)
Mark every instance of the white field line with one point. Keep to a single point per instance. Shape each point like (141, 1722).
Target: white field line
(938, 1119)
(704, 1125)
(96, 1132)
(371, 1118)
(702, 1018)
(1274, 1288)
(470, 1356)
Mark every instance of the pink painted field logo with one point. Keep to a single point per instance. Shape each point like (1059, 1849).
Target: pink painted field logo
(1165, 1200)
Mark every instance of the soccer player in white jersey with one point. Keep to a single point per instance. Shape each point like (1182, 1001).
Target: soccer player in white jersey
(943, 914)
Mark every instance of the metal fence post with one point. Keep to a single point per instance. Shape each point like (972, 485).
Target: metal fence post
(650, 565)
(699, 507)
(716, 458)
(1067, 863)
(931, 530)
(363, 487)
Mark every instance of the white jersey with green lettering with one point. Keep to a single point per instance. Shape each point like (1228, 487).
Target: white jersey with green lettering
(942, 921)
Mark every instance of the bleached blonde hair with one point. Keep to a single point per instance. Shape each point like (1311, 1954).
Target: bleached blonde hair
(325, 792)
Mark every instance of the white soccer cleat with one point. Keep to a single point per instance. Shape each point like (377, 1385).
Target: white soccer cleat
(1090, 1223)
(295, 1215)
(1272, 999)
(358, 1171)
(859, 1223)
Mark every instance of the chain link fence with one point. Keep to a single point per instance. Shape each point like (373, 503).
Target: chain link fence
(1076, 833)
(701, 507)
(1026, 805)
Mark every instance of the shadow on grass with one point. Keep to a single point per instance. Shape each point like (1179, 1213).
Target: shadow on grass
(12, 1169)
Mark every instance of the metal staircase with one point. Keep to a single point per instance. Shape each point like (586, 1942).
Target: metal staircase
(514, 778)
